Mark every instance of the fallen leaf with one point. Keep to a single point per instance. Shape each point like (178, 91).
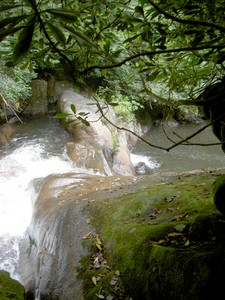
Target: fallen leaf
(98, 246)
(89, 235)
(159, 242)
(100, 296)
(172, 234)
(187, 243)
(94, 280)
(98, 240)
(118, 273)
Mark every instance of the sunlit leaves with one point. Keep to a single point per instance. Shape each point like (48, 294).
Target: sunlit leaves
(73, 117)
(100, 33)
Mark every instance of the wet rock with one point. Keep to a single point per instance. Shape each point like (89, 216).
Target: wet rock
(101, 140)
(38, 103)
(6, 133)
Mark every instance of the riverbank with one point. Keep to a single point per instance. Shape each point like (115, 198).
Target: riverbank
(155, 236)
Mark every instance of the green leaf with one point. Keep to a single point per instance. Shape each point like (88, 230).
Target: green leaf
(12, 20)
(113, 104)
(153, 75)
(24, 42)
(8, 7)
(10, 31)
(73, 108)
(61, 115)
(68, 16)
(81, 36)
(57, 33)
(139, 10)
(82, 113)
(131, 19)
(32, 3)
(67, 123)
(132, 38)
(84, 121)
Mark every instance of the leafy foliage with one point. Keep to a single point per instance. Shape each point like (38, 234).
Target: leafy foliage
(14, 87)
(171, 50)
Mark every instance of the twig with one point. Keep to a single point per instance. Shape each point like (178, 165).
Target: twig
(182, 142)
(196, 133)
(10, 107)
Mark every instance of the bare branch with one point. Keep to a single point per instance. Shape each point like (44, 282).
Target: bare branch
(175, 144)
(10, 108)
(196, 133)
(187, 143)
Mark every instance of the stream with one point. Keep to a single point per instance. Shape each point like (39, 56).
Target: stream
(38, 149)
(181, 158)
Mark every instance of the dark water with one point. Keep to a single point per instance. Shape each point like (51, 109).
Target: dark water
(181, 158)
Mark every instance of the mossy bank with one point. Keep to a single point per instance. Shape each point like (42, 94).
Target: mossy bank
(10, 288)
(160, 237)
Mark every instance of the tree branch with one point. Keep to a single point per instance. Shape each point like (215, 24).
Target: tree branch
(196, 133)
(148, 53)
(183, 142)
(184, 21)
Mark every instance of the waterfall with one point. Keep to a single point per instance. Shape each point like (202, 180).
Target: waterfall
(37, 150)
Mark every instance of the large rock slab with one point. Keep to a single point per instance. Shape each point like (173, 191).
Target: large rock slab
(52, 250)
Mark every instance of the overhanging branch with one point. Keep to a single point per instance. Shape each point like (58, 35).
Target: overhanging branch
(185, 21)
(183, 142)
(149, 53)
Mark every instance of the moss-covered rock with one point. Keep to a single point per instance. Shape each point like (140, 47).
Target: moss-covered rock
(165, 238)
(10, 288)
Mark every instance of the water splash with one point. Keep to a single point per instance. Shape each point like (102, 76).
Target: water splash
(143, 164)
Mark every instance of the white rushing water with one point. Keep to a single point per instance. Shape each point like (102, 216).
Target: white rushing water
(26, 158)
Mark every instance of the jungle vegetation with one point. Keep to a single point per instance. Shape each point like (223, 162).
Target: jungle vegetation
(141, 52)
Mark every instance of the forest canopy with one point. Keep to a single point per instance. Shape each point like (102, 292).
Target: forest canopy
(145, 51)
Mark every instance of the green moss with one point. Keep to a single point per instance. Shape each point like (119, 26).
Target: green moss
(162, 237)
(9, 288)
